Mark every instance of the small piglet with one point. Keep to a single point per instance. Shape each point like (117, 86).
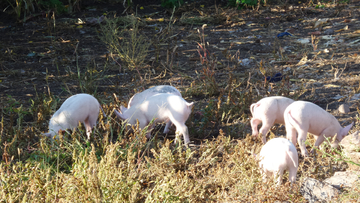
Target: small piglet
(276, 156)
(138, 98)
(302, 117)
(79, 107)
(162, 107)
(268, 111)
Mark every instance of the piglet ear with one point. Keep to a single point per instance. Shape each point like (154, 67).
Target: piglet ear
(346, 129)
(119, 115)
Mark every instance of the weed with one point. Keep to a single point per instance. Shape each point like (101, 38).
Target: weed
(314, 42)
(89, 78)
(53, 4)
(239, 4)
(171, 3)
(209, 63)
(335, 154)
(126, 42)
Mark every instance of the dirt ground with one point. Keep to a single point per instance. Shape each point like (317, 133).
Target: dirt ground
(38, 56)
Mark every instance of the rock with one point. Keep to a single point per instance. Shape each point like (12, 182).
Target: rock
(321, 22)
(344, 108)
(355, 97)
(245, 62)
(329, 32)
(351, 143)
(304, 40)
(343, 179)
(314, 190)
(351, 148)
(355, 157)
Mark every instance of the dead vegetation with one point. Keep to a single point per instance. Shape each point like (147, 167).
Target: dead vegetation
(223, 74)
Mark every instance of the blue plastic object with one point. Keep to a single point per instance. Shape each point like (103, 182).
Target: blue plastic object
(281, 35)
(276, 78)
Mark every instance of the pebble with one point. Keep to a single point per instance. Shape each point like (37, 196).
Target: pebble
(329, 32)
(344, 108)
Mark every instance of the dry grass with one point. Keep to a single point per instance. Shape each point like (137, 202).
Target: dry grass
(134, 170)
(124, 167)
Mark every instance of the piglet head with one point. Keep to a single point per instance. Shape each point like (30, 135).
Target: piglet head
(123, 109)
(343, 132)
(120, 115)
(48, 135)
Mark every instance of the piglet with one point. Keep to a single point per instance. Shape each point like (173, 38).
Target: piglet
(138, 98)
(302, 117)
(162, 107)
(276, 156)
(142, 96)
(79, 107)
(268, 111)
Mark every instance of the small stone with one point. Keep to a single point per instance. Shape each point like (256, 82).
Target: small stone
(351, 143)
(355, 157)
(329, 32)
(343, 179)
(314, 190)
(351, 148)
(344, 108)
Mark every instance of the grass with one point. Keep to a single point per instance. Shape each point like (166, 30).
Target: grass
(120, 166)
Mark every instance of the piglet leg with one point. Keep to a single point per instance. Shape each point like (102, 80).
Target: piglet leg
(292, 175)
(266, 125)
(320, 139)
(301, 141)
(87, 128)
(183, 130)
(168, 125)
(279, 179)
(254, 124)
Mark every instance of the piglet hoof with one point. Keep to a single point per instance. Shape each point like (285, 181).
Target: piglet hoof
(313, 151)
(263, 140)
(306, 155)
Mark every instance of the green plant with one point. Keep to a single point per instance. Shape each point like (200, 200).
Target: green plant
(128, 2)
(335, 154)
(171, 3)
(131, 46)
(239, 4)
(42, 107)
(22, 7)
(72, 5)
(53, 4)
(88, 78)
(209, 63)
